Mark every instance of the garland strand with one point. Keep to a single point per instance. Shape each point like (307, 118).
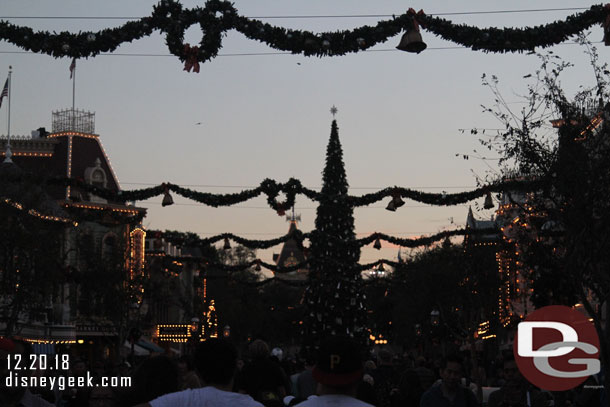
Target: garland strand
(425, 241)
(217, 17)
(444, 199)
(293, 187)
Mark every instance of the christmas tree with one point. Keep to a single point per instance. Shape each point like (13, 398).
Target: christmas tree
(334, 297)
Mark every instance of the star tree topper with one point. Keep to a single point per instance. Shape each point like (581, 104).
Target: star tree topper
(333, 111)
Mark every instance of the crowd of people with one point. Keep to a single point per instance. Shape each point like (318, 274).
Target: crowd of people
(338, 374)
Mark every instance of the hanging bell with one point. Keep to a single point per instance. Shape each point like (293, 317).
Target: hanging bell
(398, 202)
(227, 244)
(391, 206)
(489, 202)
(167, 198)
(380, 268)
(377, 244)
(412, 41)
(258, 266)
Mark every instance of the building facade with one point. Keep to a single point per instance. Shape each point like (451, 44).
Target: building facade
(103, 236)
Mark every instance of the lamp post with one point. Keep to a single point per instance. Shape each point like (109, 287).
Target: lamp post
(435, 317)
(195, 325)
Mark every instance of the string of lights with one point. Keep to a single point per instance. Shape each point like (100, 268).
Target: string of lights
(33, 212)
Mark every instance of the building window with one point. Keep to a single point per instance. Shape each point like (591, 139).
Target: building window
(96, 176)
(109, 246)
(98, 179)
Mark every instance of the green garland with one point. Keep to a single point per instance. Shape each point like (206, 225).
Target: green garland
(290, 189)
(444, 199)
(425, 241)
(293, 187)
(217, 17)
(402, 242)
(514, 39)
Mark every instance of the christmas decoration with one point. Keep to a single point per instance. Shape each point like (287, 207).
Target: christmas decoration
(290, 189)
(391, 206)
(395, 203)
(167, 198)
(489, 203)
(19, 209)
(334, 280)
(377, 244)
(398, 202)
(412, 41)
(218, 16)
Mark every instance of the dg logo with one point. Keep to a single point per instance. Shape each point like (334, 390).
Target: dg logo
(556, 348)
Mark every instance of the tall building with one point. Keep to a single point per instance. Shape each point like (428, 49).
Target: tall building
(103, 230)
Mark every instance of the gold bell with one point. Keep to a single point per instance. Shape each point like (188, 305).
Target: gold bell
(412, 41)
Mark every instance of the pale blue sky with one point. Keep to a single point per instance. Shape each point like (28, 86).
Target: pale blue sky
(268, 116)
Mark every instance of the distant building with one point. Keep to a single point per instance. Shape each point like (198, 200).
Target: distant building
(292, 254)
(180, 309)
(496, 248)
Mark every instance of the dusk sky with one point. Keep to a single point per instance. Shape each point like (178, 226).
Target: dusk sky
(267, 116)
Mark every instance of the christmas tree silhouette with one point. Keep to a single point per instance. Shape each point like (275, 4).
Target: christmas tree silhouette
(334, 297)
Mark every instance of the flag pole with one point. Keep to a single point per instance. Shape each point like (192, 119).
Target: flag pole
(9, 153)
(73, 87)
(73, 91)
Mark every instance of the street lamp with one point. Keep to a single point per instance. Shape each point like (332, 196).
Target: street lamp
(435, 317)
(226, 331)
(195, 328)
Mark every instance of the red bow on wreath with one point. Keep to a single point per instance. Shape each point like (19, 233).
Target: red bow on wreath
(606, 25)
(417, 16)
(191, 62)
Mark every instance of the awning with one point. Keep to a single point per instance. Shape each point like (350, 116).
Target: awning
(137, 350)
(150, 346)
(43, 348)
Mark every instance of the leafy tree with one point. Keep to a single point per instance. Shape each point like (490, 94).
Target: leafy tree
(237, 298)
(446, 279)
(31, 270)
(106, 292)
(564, 235)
